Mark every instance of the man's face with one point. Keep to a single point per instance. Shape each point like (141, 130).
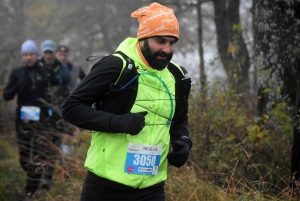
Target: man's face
(62, 56)
(158, 50)
(49, 57)
(29, 58)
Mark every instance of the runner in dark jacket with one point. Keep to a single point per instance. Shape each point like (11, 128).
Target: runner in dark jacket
(62, 73)
(30, 83)
(76, 72)
(59, 95)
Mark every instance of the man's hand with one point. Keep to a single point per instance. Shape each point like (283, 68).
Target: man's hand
(180, 153)
(131, 123)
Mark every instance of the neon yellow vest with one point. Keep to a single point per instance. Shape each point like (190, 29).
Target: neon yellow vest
(107, 154)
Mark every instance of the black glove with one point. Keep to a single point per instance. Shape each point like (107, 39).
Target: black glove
(131, 123)
(180, 153)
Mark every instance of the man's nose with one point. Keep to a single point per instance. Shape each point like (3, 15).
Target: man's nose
(166, 49)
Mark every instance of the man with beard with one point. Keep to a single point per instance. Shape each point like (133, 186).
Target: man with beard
(140, 105)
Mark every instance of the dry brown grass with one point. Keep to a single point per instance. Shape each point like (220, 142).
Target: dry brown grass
(225, 163)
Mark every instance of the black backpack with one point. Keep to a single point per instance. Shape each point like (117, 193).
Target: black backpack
(122, 94)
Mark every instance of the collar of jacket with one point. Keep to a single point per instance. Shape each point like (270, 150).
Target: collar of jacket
(129, 47)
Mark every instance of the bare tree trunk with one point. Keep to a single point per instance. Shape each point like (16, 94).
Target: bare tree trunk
(203, 78)
(255, 70)
(236, 63)
(222, 27)
(276, 37)
(275, 42)
(19, 29)
(242, 59)
(12, 35)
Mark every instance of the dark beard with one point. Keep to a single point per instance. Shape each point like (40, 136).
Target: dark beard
(151, 57)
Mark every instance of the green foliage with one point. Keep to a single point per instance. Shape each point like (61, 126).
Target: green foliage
(12, 176)
(229, 140)
(237, 27)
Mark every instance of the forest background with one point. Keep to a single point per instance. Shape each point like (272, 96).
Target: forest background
(238, 53)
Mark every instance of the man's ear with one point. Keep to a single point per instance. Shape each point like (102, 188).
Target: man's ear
(141, 42)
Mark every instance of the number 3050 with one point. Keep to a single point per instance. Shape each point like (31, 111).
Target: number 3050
(144, 160)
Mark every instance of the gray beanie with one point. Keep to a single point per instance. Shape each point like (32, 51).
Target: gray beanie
(29, 46)
(48, 45)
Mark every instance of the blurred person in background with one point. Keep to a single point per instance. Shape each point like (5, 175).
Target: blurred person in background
(58, 97)
(135, 102)
(30, 82)
(48, 48)
(76, 72)
(76, 75)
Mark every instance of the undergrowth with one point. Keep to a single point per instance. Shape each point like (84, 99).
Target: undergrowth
(235, 156)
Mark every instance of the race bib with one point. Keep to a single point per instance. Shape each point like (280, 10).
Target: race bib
(142, 159)
(30, 113)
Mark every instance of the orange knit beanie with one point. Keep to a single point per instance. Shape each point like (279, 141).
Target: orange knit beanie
(156, 20)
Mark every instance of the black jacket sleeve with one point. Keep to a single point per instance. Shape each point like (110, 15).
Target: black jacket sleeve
(78, 107)
(179, 129)
(51, 76)
(81, 74)
(12, 86)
